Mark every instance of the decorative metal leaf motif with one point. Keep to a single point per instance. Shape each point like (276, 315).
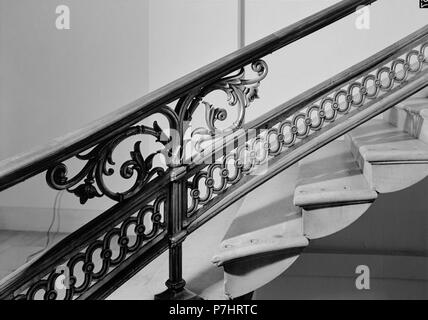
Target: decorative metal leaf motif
(97, 163)
(240, 93)
(86, 191)
(283, 134)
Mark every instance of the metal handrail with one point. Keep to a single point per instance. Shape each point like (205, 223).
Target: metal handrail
(166, 197)
(24, 166)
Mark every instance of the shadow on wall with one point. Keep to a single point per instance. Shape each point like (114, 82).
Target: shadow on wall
(391, 239)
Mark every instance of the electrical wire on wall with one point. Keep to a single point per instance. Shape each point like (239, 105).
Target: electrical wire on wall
(56, 216)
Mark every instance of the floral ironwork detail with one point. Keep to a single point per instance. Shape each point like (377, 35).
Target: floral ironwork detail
(97, 166)
(240, 92)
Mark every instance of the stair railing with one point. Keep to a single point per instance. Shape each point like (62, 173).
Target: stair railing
(168, 202)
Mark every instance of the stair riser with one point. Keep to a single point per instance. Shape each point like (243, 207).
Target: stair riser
(414, 123)
(355, 152)
(424, 127)
(387, 177)
(398, 117)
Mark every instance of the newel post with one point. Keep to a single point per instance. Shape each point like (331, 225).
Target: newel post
(177, 207)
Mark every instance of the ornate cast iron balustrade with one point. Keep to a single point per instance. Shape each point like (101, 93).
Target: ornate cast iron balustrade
(154, 223)
(89, 265)
(99, 161)
(285, 133)
(167, 196)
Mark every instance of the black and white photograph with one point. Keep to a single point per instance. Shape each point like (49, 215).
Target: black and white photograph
(232, 151)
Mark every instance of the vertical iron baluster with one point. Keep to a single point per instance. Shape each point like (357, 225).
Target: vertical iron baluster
(177, 208)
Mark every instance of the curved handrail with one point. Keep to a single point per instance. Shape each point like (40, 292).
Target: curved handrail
(165, 198)
(288, 108)
(24, 166)
(309, 143)
(406, 83)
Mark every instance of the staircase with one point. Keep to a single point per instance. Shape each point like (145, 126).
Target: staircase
(325, 193)
(319, 161)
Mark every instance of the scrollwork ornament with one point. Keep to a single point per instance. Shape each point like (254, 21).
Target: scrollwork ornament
(98, 165)
(283, 133)
(240, 92)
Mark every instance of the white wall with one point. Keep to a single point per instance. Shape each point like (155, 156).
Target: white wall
(53, 82)
(327, 52)
(333, 276)
(188, 34)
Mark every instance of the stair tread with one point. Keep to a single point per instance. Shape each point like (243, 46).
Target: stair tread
(331, 175)
(274, 238)
(380, 141)
(265, 224)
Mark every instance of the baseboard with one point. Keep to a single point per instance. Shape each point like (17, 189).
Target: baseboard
(39, 219)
